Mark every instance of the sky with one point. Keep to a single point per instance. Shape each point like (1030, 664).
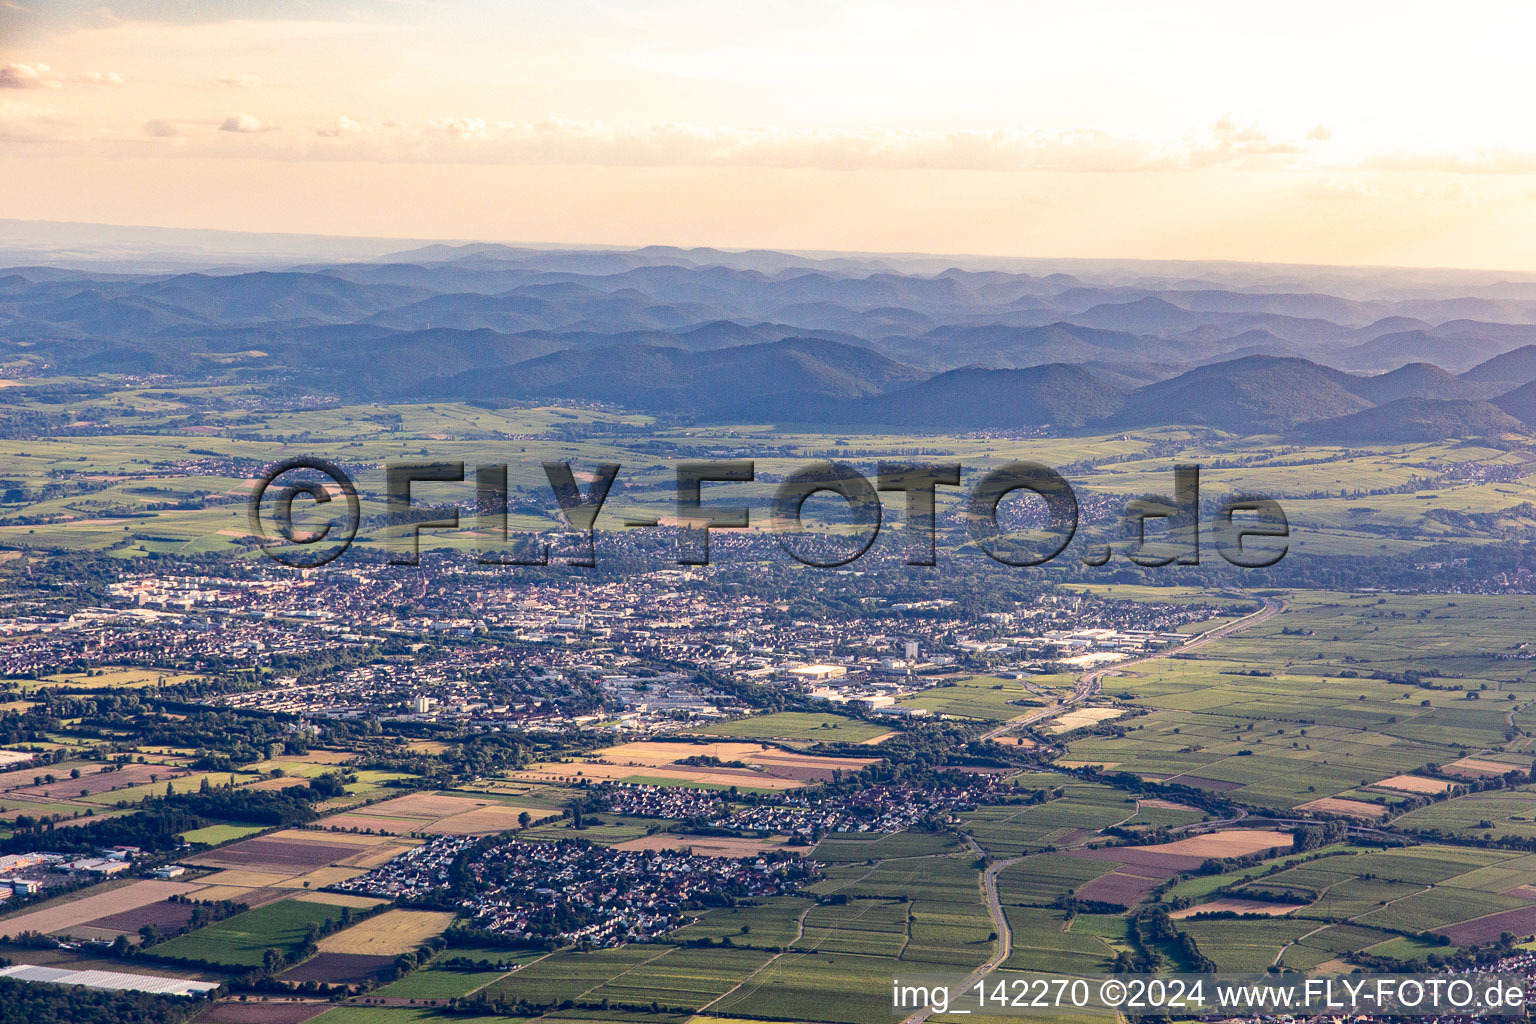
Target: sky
(1342, 133)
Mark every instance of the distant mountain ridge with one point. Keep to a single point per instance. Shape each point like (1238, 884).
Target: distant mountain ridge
(1249, 395)
(974, 398)
(768, 378)
(911, 342)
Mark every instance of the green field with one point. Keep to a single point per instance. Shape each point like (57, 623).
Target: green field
(1244, 947)
(216, 834)
(984, 698)
(770, 924)
(435, 981)
(1312, 721)
(799, 727)
(242, 940)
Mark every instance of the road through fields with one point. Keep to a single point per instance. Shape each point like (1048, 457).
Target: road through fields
(1087, 685)
(1089, 682)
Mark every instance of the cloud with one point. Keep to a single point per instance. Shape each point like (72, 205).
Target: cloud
(1334, 188)
(1321, 133)
(1229, 143)
(238, 81)
(41, 76)
(341, 126)
(96, 77)
(461, 138)
(670, 143)
(459, 127)
(29, 76)
(243, 124)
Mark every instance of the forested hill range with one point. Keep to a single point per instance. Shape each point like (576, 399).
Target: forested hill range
(703, 335)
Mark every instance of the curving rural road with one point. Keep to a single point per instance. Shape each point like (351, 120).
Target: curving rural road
(1088, 684)
(1000, 924)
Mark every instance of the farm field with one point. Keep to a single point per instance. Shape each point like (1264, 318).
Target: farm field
(1244, 947)
(799, 727)
(388, 934)
(1137, 870)
(434, 814)
(342, 968)
(768, 767)
(1468, 894)
(1067, 819)
(770, 925)
(241, 941)
(215, 835)
(984, 698)
(439, 982)
(1045, 940)
(1490, 815)
(1231, 720)
(288, 1011)
(293, 853)
(76, 909)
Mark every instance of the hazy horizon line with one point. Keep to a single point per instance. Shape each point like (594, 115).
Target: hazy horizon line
(11, 243)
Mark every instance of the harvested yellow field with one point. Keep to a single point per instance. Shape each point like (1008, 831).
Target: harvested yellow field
(322, 877)
(423, 805)
(323, 757)
(390, 934)
(331, 837)
(261, 897)
(247, 879)
(339, 899)
(215, 893)
(1084, 717)
(1414, 784)
(1236, 907)
(1232, 842)
(651, 753)
(382, 825)
(1340, 805)
(77, 910)
(767, 767)
(427, 747)
(550, 772)
(1477, 767)
(437, 813)
(485, 820)
(285, 782)
(378, 855)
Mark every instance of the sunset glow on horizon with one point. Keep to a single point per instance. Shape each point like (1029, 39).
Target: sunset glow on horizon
(1367, 133)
